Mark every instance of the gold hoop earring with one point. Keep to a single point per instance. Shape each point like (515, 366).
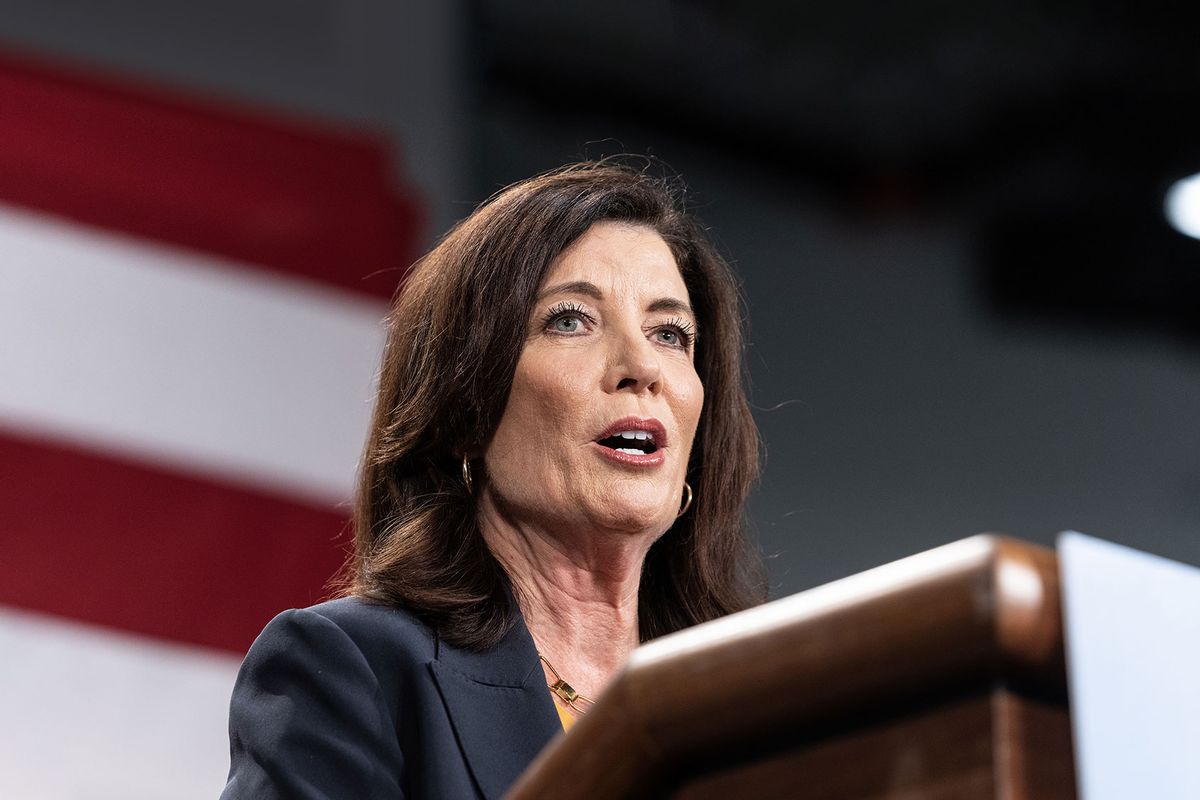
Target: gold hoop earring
(466, 474)
(686, 503)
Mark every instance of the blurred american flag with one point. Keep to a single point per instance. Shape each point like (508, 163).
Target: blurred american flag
(190, 304)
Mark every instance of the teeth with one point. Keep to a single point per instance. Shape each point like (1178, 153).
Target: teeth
(642, 435)
(633, 451)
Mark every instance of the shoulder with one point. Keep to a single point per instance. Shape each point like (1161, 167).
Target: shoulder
(359, 615)
(365, 621)
(318, 704)
(384, 637)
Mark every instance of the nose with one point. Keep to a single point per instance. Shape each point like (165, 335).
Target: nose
(633, 365)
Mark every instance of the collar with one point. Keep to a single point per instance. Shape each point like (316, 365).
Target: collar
(499, 705)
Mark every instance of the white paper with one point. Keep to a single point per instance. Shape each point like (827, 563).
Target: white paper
(1133, 656)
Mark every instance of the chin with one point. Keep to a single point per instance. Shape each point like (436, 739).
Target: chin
(634, 518)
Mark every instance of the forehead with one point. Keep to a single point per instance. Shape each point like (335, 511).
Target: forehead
(619, 259)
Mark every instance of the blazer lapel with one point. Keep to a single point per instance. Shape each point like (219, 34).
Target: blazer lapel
(499, 706)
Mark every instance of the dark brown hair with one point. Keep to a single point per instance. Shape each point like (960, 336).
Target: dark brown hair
(455, 333)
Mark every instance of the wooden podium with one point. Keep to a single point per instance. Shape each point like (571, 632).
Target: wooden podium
(938, 676)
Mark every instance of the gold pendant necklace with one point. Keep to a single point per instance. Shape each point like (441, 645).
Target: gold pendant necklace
(563, 690)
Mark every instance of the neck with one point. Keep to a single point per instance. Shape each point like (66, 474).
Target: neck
(578, 593)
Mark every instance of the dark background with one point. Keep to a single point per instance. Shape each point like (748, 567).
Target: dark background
(967, 312)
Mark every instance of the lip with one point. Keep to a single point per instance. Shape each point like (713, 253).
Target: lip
(647, 424)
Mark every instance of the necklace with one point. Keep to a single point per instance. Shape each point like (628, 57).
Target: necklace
(563, 690)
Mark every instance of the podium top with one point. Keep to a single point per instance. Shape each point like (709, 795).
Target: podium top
(984, 609)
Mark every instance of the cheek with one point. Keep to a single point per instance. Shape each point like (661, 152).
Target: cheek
(689, 401)
(553, 391)
(543, 403)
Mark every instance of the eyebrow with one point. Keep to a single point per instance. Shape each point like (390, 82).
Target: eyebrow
(671, 304)
(585, 288)
(588, 289)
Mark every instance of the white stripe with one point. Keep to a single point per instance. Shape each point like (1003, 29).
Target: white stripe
(173, 356)
(93, 714)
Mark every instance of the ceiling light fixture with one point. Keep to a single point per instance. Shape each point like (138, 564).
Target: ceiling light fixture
(1182, 206)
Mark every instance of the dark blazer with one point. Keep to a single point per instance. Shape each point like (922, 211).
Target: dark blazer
(353, 700)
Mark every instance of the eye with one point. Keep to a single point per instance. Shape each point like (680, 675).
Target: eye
(675, 333)
(566, 318)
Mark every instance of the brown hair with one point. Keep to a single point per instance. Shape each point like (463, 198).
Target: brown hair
(454, 336)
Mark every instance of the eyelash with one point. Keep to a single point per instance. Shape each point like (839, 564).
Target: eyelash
(684, 329)
(566, 309)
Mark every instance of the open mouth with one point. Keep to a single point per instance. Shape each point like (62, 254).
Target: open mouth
(634, 443)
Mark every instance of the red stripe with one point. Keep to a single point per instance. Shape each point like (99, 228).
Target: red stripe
(273, 191)
(109, 542)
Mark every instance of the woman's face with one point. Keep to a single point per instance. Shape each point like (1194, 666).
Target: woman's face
(605, 400)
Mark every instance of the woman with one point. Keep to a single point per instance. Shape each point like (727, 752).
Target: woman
(556, 470)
